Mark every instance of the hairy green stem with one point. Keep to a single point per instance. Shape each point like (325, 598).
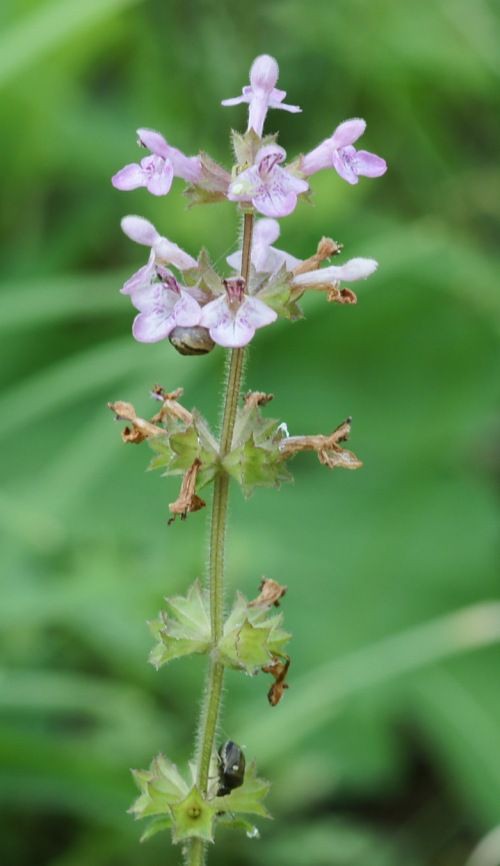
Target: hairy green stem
(210, 711)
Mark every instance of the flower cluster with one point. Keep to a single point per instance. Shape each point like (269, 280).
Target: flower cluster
(171, 292)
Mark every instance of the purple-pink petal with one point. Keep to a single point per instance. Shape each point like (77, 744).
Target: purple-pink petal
(348, 132)
(152, 326)
(369, 164)
(154, 141)
(187, 311)
(354, 269)
(343, 165)
(162, 311)
(234, 100)
(169, 252)
(275, 202)
(142, 278)
(160, 181)
(139, 230)
(129, 177)
(256, 312)
(232, 332)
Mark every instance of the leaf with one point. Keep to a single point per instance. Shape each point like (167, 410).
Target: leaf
(182, 629)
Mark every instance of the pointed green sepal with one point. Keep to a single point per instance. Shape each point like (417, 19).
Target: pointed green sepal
(182, 445)
(193, 817)
(277, 292)
(251, 638)
(183, 628)
(161, 787)
(211, 185)
(246, 145)
(157, 825)
(248, 799)
(255, 459)
(204, 277)
(233, 823)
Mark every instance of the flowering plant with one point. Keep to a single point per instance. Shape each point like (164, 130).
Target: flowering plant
(187, 301)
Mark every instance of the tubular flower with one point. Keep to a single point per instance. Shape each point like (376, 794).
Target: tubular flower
(354, 269)
(163, 307)
(265, 258)
(271, 189)
(261, 94)
(143, 232)
(233, 317)
(337, 152)
(157, 171)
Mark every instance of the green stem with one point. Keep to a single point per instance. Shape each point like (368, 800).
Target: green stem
(210, 712)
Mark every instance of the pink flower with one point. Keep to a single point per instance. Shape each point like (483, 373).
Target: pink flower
(265, 258)
(162, 307)
(157, 171)
(143, 232)
(271, 189)
(337, 152)
(261, 94)
(354, 269)
(233, 318)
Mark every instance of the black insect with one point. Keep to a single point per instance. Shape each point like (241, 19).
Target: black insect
(231, 768)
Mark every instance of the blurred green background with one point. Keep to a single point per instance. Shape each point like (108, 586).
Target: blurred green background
(386, 749)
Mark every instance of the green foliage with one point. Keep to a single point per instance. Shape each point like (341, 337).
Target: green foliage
(86, 557)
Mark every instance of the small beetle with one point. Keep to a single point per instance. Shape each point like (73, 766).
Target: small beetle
(191, 341)
(231, 768)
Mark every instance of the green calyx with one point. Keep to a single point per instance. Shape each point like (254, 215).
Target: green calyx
(182, 444)
(251, 637)
(172, 804)
(255, 459)
(182, 628)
